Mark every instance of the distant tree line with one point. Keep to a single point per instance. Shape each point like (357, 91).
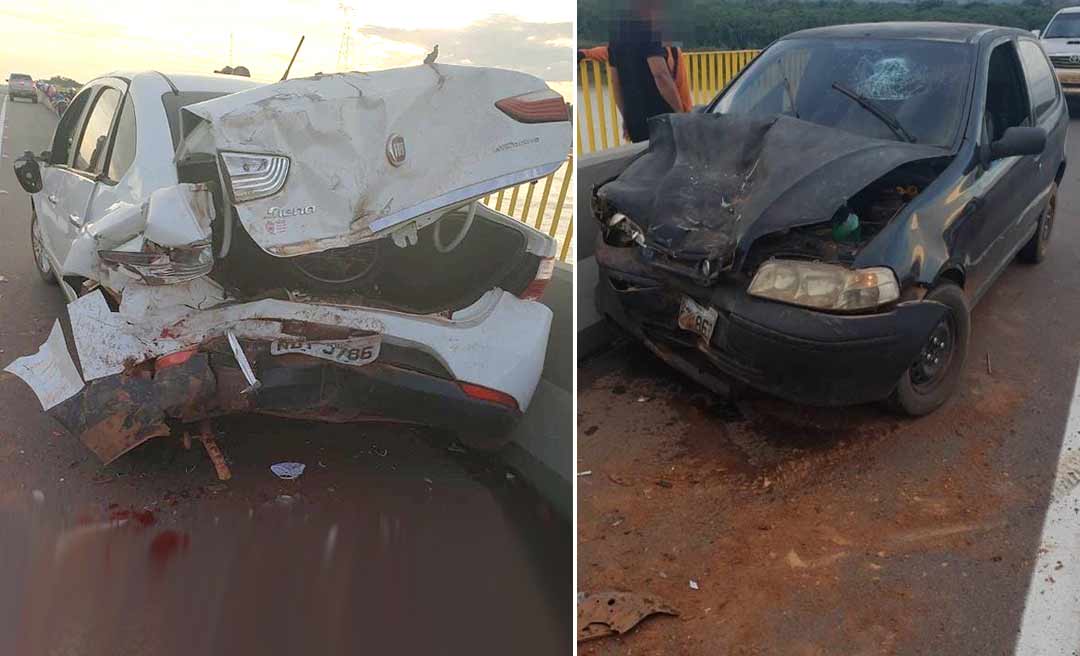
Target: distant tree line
(741, 24)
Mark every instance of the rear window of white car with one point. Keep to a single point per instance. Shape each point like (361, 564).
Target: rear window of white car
(19, 77)
(173, 102)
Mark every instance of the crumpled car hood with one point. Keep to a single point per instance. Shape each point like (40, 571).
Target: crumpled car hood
(337, 130)
(710, 184)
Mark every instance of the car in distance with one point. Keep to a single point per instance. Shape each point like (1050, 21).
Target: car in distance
(822, 230)
(1061, 41)
(21, 85)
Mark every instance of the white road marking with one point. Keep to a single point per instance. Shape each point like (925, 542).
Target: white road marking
(1051, 623)
(3, 112)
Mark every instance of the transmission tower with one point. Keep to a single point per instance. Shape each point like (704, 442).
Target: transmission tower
(344, 59)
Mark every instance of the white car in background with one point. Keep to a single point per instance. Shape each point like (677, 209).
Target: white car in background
(1061, 41)
(313, 248)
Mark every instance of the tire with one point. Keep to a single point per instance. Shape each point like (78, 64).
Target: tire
(37, 249)
(928, 384)
(1034, 251)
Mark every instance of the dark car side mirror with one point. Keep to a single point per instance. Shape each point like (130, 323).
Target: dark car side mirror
(28, 173)
(1019, 141)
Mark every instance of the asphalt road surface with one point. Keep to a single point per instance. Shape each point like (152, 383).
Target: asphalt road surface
(842, 531)
(507, 555)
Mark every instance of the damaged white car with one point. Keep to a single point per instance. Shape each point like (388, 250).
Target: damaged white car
(314, 248)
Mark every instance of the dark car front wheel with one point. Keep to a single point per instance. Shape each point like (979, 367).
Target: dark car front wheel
(1034, 251)
(935, 374)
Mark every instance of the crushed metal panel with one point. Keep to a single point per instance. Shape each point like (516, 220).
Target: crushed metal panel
(602, 614)
(117, 413)
(710, 184)
(50, 372)
(341, 188)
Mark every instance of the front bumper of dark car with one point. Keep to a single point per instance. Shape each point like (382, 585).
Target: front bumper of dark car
(114, 414)
(794, 353)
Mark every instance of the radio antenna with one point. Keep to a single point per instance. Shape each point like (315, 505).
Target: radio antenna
(295, 52)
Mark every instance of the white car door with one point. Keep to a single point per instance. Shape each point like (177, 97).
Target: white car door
(56, 175)
(68, 187)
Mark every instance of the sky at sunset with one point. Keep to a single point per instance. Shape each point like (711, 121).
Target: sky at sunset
(83, 39)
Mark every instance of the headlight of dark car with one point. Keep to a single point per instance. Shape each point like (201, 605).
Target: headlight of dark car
(821, 286)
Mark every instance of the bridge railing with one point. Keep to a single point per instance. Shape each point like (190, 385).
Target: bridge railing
(553, 211)
(599, 125)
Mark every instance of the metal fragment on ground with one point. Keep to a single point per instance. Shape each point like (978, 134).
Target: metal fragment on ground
(602, 614)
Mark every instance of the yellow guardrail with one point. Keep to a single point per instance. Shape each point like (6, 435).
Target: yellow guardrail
(599, 125)
(517, 202)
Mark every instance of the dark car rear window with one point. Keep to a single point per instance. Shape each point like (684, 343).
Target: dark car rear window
(20, 77)
(175, 101)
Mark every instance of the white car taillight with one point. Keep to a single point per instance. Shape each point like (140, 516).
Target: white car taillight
(254, 176)
(155, 265)
(545, 106)
(543, 276)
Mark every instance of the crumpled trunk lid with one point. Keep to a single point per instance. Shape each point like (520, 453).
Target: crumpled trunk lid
(710, 184)
(370, 152)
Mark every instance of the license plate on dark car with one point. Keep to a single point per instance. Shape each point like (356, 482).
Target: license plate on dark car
(697, 318)
(356, 351)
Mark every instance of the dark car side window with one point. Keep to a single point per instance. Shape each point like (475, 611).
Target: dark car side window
(1006, 93)
(68, 129)
(123, 149)
(90, 154)
(1040, 77)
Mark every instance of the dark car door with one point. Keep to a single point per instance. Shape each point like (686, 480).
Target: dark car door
(1002, 190)
(1048, 109)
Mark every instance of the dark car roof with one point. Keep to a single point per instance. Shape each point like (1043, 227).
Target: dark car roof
(954, 32)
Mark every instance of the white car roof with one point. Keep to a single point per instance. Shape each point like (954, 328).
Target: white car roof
(1069, 10)
(192, 81)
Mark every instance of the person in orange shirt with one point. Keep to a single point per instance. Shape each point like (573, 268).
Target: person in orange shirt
(676, 66)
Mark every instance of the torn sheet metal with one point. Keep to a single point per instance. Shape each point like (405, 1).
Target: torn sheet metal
(370, 151)
(115, 414)
(50, 372)
(602, 614)
(710, 184)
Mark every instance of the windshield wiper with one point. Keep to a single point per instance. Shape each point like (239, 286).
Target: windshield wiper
(877, 110)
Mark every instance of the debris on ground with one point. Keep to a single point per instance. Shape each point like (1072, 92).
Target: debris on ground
(602, 614)
(456, 448)
(287, 471)
(587, 472)
(38, 495)
(694, 585)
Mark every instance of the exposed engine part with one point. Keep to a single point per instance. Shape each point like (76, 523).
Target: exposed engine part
(619, 230)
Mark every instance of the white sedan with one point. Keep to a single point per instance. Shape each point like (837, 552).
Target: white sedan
(313, 248)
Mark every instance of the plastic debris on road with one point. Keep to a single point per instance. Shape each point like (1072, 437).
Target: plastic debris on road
(287, 470)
